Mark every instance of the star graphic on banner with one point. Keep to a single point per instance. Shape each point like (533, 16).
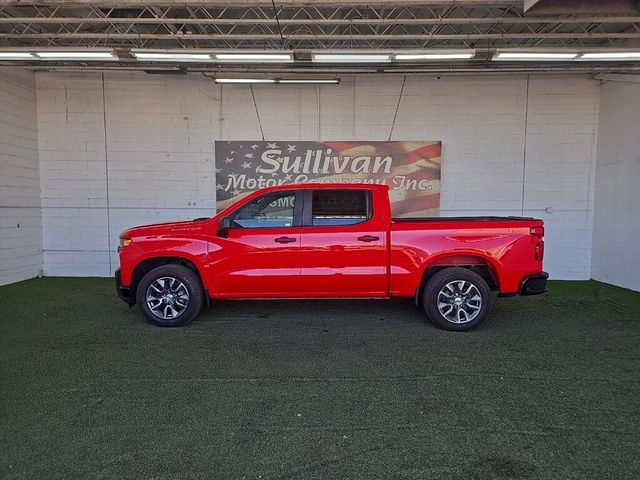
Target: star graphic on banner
(248, 155)
(287, 177)
(272, 146)
(291, 148)
(246, 165)
(253, 147)
(235, 192)
(228, 160)
(219, 187)
(232, 152)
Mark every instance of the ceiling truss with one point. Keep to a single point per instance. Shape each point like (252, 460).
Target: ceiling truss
(304, 26)
(319, 26)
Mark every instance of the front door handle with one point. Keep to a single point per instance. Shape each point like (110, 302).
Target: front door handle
(285, 240)
(368, 238)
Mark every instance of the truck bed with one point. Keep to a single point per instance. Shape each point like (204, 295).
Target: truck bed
(459, 219)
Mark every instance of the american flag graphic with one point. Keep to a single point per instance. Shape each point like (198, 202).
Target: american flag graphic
(411, 169)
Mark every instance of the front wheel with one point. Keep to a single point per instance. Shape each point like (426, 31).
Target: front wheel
(170, 295)
(457, 299)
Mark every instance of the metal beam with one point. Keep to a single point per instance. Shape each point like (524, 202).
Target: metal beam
(485, 68)
(319, 21)
(247, 3)
(618, 77)
(239, 37)
(581, 7)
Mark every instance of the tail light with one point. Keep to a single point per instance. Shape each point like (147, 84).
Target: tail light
(538, 235)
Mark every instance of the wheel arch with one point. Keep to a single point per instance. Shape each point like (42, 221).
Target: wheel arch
(145, 266)
(480, 264)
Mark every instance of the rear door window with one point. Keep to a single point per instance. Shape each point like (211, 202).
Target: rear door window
(340, 207)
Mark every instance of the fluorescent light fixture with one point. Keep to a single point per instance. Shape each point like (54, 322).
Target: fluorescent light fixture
(255, 57)
(278, 80)
(351, 57)
(461, 55)
(75, 55)
(535, 56)
(16, 56)
(172, 57)
(309, 80)
(245, 80)
(610, 56)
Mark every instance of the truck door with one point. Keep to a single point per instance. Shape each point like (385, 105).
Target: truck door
(262, 252)
(343, 245)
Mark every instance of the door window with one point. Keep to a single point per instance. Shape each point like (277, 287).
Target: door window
(339, 207)
(269, 211)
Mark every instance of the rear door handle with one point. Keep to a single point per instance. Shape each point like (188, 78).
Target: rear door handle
(368, 238)
(285, 240)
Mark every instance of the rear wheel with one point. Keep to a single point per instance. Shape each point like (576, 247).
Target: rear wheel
(170, 295)
(457, 299)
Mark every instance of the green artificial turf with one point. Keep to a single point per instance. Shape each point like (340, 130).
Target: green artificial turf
(548, 387)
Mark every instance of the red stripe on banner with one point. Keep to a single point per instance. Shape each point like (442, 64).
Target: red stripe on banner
(416, 204)
(428, 152)
(431, 151)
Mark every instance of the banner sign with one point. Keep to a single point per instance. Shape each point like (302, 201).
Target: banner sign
(410, 169)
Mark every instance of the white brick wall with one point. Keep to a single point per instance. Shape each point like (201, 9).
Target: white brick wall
(20, 222)
(616, 230)
(160, 130)
(158, 155)
(560, 161)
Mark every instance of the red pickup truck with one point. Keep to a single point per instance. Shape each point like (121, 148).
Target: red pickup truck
(330, 241)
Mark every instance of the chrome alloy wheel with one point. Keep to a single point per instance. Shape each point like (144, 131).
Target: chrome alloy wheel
(167, 298)
(459, 301)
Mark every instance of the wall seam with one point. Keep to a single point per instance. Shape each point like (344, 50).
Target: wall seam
(106, 170)
(592, 179)
(40, 210)
(524, 143)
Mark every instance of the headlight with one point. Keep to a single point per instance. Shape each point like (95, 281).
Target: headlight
(125, 242)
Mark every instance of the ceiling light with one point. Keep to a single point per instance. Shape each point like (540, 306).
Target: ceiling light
(255, 57)
(172, 57)
(534, 56)
(619, 56)
(245, 80)
(76, 55)
(462, 55)
(351, 57)
(309, 80)
(16, 56)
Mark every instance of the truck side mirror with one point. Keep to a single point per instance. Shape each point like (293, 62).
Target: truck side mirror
(224, 226)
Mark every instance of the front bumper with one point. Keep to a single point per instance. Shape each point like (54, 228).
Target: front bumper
(534, 284)
(123, 292)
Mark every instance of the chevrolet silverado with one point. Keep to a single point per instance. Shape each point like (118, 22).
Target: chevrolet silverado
(330, 241)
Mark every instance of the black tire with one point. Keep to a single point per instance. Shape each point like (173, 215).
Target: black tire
(463, 317)
(190, 307)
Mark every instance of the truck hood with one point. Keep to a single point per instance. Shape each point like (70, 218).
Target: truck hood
(164, 228)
